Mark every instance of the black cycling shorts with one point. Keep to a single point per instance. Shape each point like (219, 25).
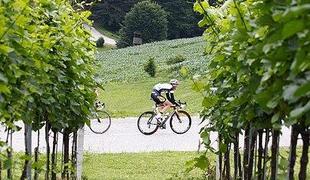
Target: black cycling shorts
(159, 99)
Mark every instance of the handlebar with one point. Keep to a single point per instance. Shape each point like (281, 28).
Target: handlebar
(99, 105)
(180, 104)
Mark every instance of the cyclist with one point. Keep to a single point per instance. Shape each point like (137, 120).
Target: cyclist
(161, 102)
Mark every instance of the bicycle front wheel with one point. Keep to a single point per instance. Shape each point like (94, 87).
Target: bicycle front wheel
(180, 122)
(100, 122)
(147, 124)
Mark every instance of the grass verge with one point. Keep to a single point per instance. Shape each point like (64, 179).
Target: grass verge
(106, 32)
(155, 165)
(132, 98)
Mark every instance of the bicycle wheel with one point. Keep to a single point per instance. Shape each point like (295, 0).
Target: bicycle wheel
(100, 122)
(180, 122)
(147, 124)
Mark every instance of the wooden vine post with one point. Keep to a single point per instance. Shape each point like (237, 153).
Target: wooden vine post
(79, 153)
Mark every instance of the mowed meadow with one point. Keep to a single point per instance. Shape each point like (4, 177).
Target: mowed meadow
(127, 86)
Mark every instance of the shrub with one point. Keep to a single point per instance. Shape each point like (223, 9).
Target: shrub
(150, 67)
(175, 60)
(122, 43)
(100, 42)
(149, 19)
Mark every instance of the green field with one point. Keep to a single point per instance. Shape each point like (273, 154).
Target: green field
(149, 165)
(162, 165)
(128, 86)
(127, 64)
(155, 165)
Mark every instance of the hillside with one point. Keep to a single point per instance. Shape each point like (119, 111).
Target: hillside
(127, 64)
(128, 86)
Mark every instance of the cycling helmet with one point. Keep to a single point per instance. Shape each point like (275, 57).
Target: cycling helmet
(174, 82)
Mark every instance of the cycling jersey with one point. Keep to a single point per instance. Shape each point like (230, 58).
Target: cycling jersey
(163, 88)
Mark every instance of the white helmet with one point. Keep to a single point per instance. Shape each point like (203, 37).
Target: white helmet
(174, 82)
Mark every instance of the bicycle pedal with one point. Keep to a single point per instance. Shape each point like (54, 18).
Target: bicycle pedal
(163, 126)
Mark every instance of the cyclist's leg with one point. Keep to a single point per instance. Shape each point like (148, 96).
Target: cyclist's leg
(167, 104)
(159, 101)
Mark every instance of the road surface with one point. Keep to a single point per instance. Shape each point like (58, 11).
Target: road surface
(96, 35)
(124, 136)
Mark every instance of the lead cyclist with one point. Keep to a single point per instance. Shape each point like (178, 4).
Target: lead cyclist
(163, 103)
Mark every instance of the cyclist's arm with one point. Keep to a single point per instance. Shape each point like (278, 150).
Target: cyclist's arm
(170, 97)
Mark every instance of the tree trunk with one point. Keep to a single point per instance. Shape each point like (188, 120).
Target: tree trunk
(255, 157)
(260, 155)
(54, 152)
(26, 174)
(0, 169)
(253, 135)
(219, 161)
(9, 153)
(65, 174)
(36, 157)
(304, 157)
(236, 156)
(274, 154)
(265, 154)
(246, 153)
(227, 162)
(292, 156)
(73, 155)
(240, 165)
(47, 128)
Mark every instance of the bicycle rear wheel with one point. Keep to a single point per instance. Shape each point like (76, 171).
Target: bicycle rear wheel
(147, 124)
(180, 122)
(100, 122)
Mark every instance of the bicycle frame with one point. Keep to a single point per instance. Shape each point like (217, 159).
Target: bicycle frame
(175, 111)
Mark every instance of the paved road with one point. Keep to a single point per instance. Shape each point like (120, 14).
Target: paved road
(96, 35)
(123, 136)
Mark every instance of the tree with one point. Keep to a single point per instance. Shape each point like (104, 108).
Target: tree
(149, 19)
(111, 13)
(182, 20)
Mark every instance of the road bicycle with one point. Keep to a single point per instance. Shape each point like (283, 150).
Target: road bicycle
(180, 120)
(100, 120)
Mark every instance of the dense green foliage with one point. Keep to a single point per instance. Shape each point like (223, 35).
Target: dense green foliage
(259, 61)
(259, 64)
(46, 64)
(147, 18)
(182, 20)
(150, 67)
(111, 13)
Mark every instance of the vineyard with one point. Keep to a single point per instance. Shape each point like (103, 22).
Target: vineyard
(250, 71)
(127, 64)
(257, 80)
(46, 85)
